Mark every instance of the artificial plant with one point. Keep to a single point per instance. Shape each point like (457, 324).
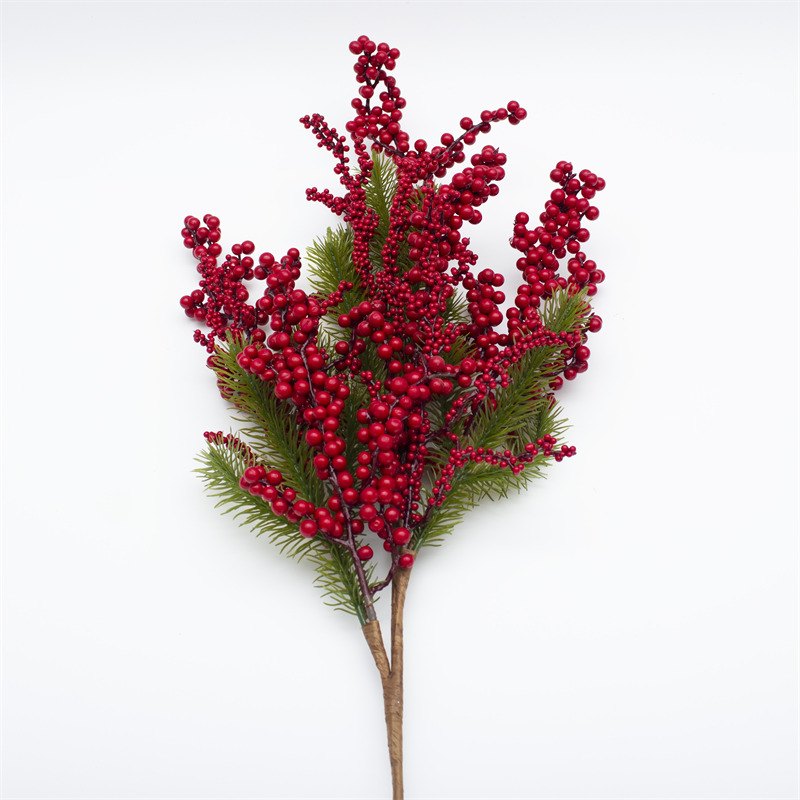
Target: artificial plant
(392, 394)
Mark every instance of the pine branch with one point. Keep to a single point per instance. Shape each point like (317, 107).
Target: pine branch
(564, 310)
(523, 413)
(330, 261)
(476, 482)
(528, 379)
(222, 464)
(380, 191)
(359, 398)
(270, 426)
(338, 580)
(457, 312)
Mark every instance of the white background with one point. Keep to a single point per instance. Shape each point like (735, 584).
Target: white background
(627, 629)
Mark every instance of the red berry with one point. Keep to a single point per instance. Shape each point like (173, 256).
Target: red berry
(308, 528)
(401, 536)
(365, 552)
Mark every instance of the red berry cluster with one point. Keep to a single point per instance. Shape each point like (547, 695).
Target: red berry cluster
(424, 261)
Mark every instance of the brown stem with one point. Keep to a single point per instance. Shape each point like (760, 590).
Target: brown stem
(392, 676)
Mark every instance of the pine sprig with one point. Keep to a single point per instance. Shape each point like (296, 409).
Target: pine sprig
(380, 192)
(529, 378)
(337, 579)
(457, 313)
(269, 426)
(330, 261)
(475, 483)
(380, 195)
(522, 412)
(564, 310)
(350, 424)
(222, 464)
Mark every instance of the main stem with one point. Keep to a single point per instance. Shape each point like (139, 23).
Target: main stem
(392, 676)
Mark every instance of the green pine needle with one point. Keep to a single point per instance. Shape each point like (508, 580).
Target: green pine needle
(222, 464)
(475, 483)
(270, 427)
(330, 261)
(523, 413)
(380, 190)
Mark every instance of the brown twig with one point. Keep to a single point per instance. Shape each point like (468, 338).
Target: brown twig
(392, 675)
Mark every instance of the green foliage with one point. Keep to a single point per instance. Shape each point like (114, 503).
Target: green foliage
(380, 191)
(222, 464)
(523, 413)
(273, 435)
(517, 404)
(331, 262)
(270, 427)
(475, 483)
(337, 578)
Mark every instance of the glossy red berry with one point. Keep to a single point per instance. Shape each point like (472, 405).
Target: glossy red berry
(308, 528)
(401, 536)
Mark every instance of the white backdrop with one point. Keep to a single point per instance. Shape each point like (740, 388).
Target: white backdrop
(627, 629)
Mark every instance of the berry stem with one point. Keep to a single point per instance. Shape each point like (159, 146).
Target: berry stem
(392, 675)
(366, 593)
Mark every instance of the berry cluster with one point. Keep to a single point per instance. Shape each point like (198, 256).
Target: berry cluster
(429, 358)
